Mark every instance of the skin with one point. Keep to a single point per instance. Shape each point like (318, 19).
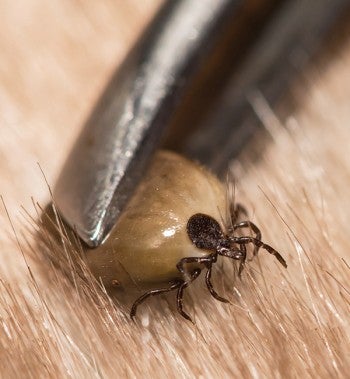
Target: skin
(150, 237)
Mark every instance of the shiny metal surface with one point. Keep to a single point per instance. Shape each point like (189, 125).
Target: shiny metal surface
(112, 152)
(279, 54)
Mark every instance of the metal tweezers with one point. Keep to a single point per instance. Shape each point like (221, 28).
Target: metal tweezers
(133, 115)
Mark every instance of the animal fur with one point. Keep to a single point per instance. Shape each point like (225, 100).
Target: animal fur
(56, 321)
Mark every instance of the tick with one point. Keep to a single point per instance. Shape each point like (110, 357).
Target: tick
(172, 229)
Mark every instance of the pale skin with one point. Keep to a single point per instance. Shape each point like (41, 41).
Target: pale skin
(280, 322)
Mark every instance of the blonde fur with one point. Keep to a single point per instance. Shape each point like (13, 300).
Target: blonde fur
(57, 322)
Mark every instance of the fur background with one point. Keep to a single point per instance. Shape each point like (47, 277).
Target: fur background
(56, 58)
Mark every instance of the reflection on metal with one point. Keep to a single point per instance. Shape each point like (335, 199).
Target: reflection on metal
(279, 54)
(113, 150)
(111, 154)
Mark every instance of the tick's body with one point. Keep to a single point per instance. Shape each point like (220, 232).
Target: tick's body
(150, 237)
(172, 229)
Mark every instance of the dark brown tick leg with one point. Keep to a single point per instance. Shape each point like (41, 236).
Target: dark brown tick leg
(141, 299)
(236, 211)
(210, 286)
(236, 254)
(242, 261)
(256, 242)
(205, 260)
(180, 294)
(254, 228)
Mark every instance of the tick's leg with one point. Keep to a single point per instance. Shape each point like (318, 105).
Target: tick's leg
(237, 254)
(204, 260)
(242, 261)
(210, 286)
(176, 284)
(258, 243)
(180, 294)
(236, 211)
(253, 227)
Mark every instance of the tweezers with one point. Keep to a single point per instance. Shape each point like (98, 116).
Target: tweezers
(133, 114)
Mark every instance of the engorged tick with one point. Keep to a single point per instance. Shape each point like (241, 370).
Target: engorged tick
(171, 230)
(205, 233)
